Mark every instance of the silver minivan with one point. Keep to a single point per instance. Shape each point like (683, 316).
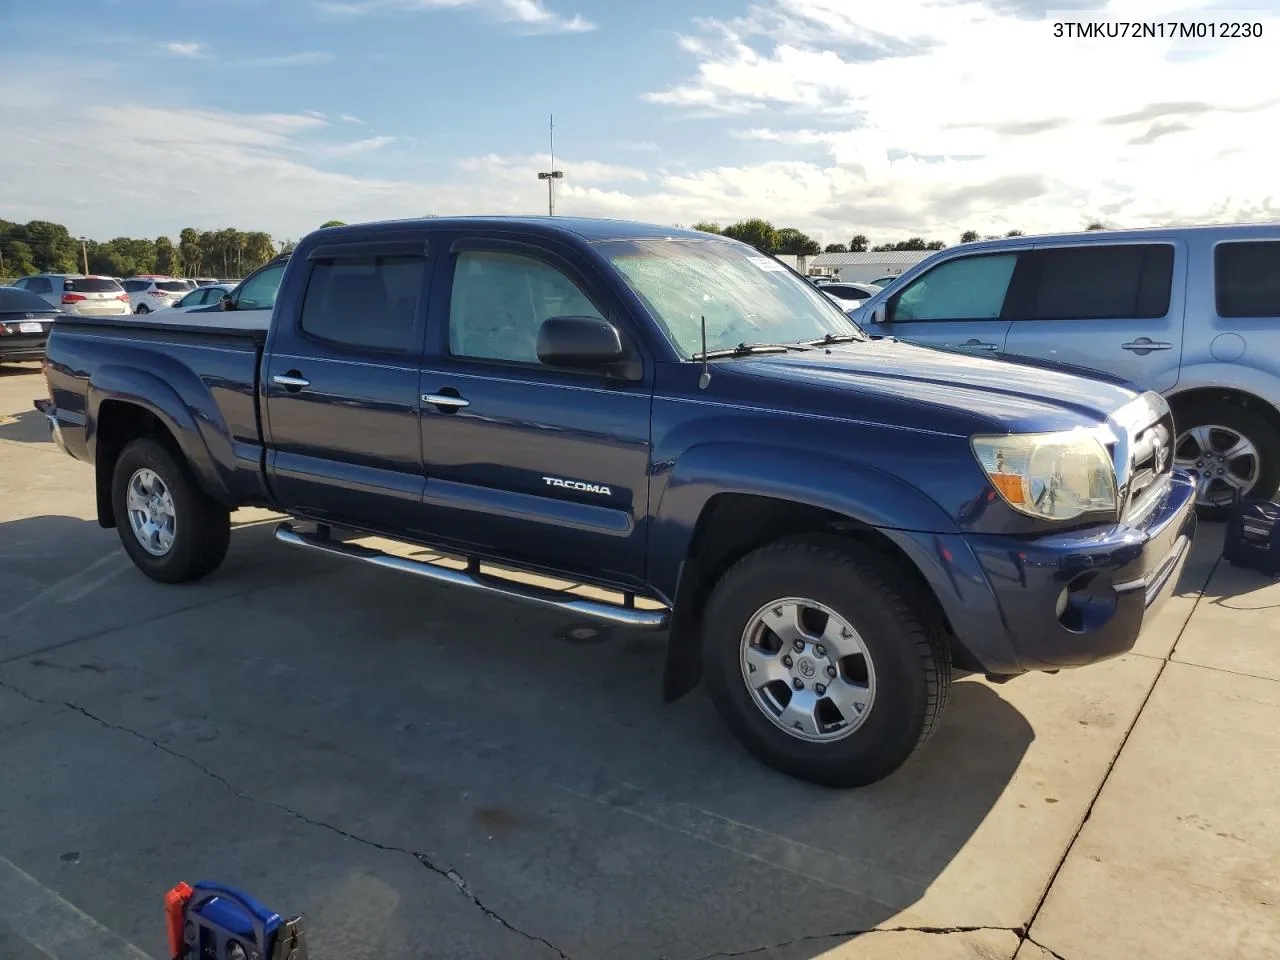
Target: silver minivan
(1193, 312)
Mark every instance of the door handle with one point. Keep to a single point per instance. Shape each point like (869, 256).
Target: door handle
(1145, 345)
(293, 381)
(980, 345)
(444, 400)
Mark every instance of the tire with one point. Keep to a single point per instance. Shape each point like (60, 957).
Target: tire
(904, 667)
(1213, 500)
(142, 309)
(201, 531)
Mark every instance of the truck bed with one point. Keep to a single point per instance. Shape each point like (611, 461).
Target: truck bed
(251, 323)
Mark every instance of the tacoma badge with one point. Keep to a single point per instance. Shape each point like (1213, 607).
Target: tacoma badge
(578, 485)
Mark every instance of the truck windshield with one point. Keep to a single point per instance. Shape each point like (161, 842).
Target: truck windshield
(745, 297)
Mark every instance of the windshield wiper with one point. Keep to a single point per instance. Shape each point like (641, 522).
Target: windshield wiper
(832, 338)
(749, 349)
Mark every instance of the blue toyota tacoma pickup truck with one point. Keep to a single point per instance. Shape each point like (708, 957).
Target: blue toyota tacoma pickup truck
(825, 524)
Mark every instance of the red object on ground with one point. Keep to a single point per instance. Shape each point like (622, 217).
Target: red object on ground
(175, 902)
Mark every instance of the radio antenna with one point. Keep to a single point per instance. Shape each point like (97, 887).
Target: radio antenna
(706, 369)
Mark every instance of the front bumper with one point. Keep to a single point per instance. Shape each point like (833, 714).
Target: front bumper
(1081, 597)
(1017, 604)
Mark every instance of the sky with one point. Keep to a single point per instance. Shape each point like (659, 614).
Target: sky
(890, 118)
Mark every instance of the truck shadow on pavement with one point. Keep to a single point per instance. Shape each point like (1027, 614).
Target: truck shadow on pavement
(26, 427)
(518, 765)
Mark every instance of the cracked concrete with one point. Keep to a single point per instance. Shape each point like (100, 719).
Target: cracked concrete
(425, 773)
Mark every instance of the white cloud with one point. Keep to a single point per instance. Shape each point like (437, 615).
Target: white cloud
(195, 51)
(348, 118)
(532, 16)
(526, 169)
(943, 115)
(315, 113)
(358, 146)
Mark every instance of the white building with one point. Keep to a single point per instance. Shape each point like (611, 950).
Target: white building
(865, 266)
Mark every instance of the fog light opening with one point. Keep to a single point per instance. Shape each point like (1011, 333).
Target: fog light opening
(1087, 603)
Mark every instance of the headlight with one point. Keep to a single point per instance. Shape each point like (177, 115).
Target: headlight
(1054, 476)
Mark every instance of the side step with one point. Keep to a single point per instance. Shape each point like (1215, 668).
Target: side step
(472, 578)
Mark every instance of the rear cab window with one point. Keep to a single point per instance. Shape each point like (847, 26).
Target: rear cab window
(1247, 278)
(364, 302)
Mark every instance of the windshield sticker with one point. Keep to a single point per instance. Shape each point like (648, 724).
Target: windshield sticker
(764, 263)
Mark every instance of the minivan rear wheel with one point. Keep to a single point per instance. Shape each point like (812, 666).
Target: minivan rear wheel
(1230, 449)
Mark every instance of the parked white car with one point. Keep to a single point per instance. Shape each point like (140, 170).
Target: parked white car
(848, 294)
(149, 294)
(78, 294)
(200, 297)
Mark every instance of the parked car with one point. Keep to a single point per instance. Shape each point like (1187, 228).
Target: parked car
(200, 297)
(25, 320)
(883, 281)
(848, 295)
(148, 294)
(79, 294)
(207, 281)
(255, 294)
(826, 524)
(1193, 312)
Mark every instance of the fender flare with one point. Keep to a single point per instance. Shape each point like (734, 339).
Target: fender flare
(858, 491)
(192, 426)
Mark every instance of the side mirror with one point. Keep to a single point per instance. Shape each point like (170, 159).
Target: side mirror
(879, 313)
(580, 343)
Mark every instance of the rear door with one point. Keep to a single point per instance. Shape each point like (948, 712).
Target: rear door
(523, 460)
(341, 386)
(1113, 307)
(959, 304)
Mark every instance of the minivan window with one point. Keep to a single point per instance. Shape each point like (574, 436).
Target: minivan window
(91, 285)
(1247, 279)
(1102, 282)
(364, 302)
(969, 288)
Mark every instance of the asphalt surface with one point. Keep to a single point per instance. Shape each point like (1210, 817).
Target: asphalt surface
(422, 772)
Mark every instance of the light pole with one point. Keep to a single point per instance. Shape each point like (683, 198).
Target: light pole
(551, 197)
(84, 253)
(552, 175)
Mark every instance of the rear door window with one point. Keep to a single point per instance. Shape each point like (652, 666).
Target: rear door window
(1247, 279)
(1102, 282)
(365, 303)
(40, 285)
(136, 286)
(172, 286)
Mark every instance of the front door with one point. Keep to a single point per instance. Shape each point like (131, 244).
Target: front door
(526, 461)
(1113, 307)
(957, 305)
(341, 387)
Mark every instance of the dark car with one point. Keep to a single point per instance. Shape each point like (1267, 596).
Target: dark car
(825, 524)
(25, 321)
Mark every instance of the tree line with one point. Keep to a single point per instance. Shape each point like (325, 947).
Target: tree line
(767, 238)
(44, 247)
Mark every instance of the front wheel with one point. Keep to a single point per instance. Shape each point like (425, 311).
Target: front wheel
(172, 530)
(1230, 450)
(823, 666)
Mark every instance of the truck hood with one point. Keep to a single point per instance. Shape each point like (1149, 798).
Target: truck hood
(909, 385)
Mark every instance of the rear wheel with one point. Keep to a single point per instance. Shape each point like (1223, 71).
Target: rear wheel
(172, 530)
(1230, 450)
(142, 308)
(821, 664)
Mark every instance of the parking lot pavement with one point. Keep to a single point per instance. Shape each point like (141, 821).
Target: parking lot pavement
(421, 771)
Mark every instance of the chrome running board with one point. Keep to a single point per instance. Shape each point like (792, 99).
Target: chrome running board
(474, 579)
